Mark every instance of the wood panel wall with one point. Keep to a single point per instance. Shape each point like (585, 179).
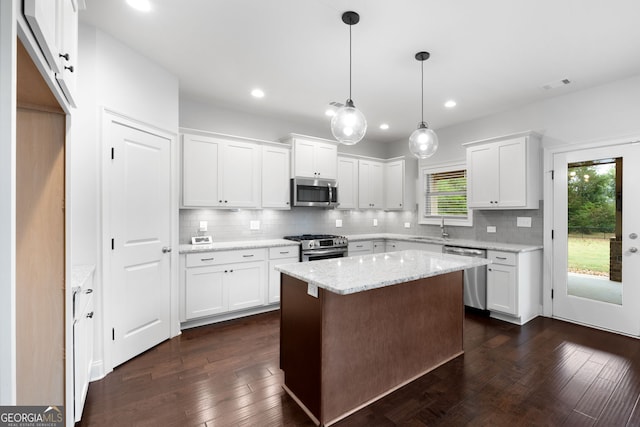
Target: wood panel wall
(40, 240)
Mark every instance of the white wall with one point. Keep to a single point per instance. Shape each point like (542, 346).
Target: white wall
(206, 116)
(116, 78)
(8, 12)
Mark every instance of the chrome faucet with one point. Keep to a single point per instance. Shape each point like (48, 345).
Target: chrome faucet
(442, 230)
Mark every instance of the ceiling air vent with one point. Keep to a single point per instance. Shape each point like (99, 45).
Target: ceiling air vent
(555, 84)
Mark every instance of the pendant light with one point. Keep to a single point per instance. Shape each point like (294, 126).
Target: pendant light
(348, 125)
(423, 142)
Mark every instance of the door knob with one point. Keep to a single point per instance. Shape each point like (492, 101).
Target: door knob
(633, 250)
(166, 249)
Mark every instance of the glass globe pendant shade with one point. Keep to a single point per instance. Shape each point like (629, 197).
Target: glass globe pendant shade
(348, 125)
(423, 142)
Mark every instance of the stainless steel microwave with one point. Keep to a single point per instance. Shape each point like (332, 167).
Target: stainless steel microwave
(314, 192)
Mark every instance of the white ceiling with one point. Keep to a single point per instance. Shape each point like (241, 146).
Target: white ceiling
(489, 55)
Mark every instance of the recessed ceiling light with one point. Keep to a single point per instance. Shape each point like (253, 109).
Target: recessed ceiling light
(257, 93)
(384, 126)
(141, 5)
(450, 103)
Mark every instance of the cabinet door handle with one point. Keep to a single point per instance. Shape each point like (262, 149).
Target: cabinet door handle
(88, 291)
(284, 252)
(70, 68)
(501, 257)
(65, 56)
(247, 256)
(90, 315)
(206, 259)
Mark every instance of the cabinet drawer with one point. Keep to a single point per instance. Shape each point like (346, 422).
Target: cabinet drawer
(504, 258)
(284, 252)
(361, 246)
(224, 257)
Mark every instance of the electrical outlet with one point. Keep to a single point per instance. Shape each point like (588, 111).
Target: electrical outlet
(203, 226)
(523, 221)
(338, 223)
(491, 228)
(407, 225)
(375, 222)
(254, 225)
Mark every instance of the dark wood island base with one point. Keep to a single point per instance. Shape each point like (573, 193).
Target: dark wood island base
(339, 353)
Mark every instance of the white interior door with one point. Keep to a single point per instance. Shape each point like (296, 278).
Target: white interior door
(605, 299)
(140, 211)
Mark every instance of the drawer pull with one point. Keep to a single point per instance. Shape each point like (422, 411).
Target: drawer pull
(284, 252)
(88, 291)
(90, 315)
(501, 257)
(247, 256)
(206, 259)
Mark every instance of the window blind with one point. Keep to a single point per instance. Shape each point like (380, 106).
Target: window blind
(446, 194)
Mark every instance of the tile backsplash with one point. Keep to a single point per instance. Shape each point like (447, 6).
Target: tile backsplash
(228, 225)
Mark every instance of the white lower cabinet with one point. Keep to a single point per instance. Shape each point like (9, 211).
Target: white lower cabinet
(224, 281)
(278, 256)
(402, 245)
(362, 247)
(379, 246)
(514, 283)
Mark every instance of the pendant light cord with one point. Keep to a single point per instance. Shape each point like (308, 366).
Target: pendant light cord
(422, 90)
(350, 61)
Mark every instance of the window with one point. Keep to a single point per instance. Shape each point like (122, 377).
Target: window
(444, 195)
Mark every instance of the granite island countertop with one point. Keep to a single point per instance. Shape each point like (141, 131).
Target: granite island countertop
(361, 273)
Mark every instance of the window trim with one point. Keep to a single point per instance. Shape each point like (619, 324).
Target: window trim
(439, 168)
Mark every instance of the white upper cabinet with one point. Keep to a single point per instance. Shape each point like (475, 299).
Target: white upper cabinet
(54, 24)
(394, 185)
(220, 173)
(275, 177)
(347, 183)
(68, 55)
(370, 184)
(504, 173)
(313, 157)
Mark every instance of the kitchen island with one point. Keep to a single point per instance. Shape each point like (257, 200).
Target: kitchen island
(355, 329)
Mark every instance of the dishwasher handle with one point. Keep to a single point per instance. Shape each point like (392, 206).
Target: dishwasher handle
(464, 251)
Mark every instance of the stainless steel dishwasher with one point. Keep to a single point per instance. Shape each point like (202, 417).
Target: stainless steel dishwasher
(475, 279)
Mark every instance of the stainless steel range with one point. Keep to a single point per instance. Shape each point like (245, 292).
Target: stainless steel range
(314, 247)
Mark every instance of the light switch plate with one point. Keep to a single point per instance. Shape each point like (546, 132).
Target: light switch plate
(523, 221)
(338, 223)
(254, 225)
(375, 222)
(407, 225)
(203, 226)
(491, 228)
(312, 290)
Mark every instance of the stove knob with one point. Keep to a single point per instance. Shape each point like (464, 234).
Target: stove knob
(311, 244)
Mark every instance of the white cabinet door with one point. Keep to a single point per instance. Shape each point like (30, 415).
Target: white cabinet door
(246, 285)
(394, 185)
(370, 184)
(205, 292)
(241, 174)
(275, 178)
(304, 159)
(347, 183)
(326, 156)
(83, 328)
(502, 292)
(274, 277)
(43, 18)
(68, 57)
(200, 157)
(512, 179)
(379, 246)
(315, 159)
(482, 170)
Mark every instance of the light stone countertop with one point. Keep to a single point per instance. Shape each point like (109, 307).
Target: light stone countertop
(361, 273)
(233, 245)
(466, 243)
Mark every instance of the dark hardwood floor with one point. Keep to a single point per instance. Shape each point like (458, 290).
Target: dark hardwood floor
(546, 373)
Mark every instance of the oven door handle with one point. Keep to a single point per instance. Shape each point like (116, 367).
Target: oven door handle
(324, 252)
